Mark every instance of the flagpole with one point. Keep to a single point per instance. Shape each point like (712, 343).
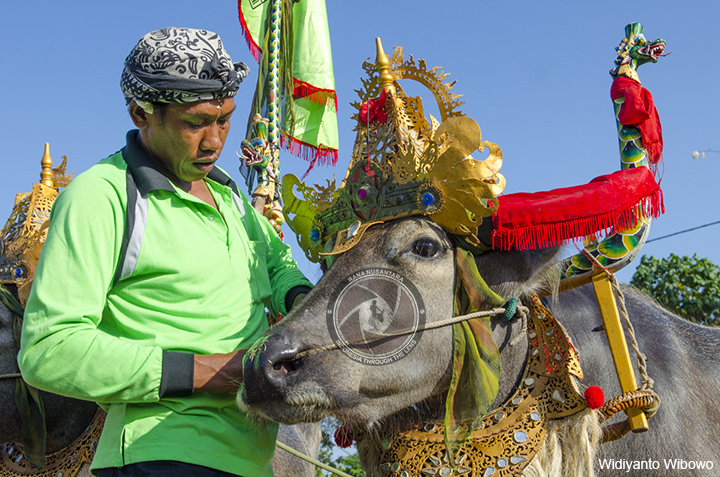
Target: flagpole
(273, 97)
(272, 29)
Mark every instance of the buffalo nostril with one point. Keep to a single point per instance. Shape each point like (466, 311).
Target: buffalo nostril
(267, 368)
(278, 360)
(268, 365)
(279, 370)
(288, 366)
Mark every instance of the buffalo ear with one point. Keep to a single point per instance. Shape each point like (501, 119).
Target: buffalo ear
(518, 272)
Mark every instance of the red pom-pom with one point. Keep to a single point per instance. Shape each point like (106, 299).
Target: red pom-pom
(344, 436)
(594, 397)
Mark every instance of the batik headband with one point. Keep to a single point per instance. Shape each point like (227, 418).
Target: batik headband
(180, 65)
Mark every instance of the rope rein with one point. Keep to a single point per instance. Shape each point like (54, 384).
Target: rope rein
(647, 381)
(10, 376)
(521, 309)
(309, 459)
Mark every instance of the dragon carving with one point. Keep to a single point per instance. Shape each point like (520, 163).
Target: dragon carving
(640, 141)
(257, 154)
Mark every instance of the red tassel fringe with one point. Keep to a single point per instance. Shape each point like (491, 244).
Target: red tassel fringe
(546, 235)
(255, 50)
(325, 155)
(314, 94)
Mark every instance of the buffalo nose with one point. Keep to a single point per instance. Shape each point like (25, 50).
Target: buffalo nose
(265, 375)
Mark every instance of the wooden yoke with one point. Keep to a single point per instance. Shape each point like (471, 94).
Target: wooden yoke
(615, 336)
(618, 346)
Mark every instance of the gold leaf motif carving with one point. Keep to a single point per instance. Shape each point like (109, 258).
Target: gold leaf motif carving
(398, 149)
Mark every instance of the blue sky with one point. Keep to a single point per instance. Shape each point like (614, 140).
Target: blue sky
(534, 76)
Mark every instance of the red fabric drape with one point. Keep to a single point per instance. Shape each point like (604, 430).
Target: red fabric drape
(545, 219)
(639, 110)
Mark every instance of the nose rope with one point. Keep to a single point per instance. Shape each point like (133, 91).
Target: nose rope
(523, 310)
(10, 376)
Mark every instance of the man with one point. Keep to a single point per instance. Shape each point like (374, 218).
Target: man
(155, 277)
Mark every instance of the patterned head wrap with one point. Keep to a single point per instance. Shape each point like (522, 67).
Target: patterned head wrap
(180, 65)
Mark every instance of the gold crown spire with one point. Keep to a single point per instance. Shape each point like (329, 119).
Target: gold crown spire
(382, 63)
(46, 175)
(23, 236)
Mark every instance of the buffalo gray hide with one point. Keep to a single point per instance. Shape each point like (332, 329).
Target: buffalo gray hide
(682, 357)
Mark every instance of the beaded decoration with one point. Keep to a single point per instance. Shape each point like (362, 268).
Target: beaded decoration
(66, 462)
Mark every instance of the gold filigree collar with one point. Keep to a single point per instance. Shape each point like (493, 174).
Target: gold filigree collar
(66, 462)
(509, 436)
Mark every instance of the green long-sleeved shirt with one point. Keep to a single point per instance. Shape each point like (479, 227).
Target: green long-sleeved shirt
(201, 283)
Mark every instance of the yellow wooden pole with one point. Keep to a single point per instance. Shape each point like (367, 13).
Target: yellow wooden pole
(618, 346)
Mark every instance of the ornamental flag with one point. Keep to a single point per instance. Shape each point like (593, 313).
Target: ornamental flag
(310, 130)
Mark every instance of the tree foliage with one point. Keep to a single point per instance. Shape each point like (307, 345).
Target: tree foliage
(346, 460)
(687, 286)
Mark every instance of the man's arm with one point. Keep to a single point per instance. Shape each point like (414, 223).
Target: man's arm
(62, 350)
(221, 373)
(218, 373)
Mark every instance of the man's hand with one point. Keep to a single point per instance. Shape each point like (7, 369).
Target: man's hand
(218, 373)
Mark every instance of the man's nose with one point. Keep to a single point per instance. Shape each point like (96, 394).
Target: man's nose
(212, 140)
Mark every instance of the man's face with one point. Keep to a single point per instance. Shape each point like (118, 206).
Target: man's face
(185, 139)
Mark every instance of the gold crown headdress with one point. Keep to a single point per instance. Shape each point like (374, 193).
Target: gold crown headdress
(402, 164)
(22, 237)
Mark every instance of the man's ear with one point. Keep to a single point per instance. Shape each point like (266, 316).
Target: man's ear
(138, 115)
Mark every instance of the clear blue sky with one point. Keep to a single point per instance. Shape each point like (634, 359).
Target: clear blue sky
(534, 76)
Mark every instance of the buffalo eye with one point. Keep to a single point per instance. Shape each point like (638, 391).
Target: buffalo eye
(425, 248)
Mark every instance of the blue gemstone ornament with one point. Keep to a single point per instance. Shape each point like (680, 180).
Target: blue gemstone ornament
(353, 229)
(428, 198)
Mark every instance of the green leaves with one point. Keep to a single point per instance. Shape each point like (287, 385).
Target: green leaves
(687, 286)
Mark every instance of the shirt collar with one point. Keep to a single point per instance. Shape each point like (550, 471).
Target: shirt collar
(148, 176)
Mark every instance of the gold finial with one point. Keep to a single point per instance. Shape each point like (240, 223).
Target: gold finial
(46, 176)
(382, 63)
